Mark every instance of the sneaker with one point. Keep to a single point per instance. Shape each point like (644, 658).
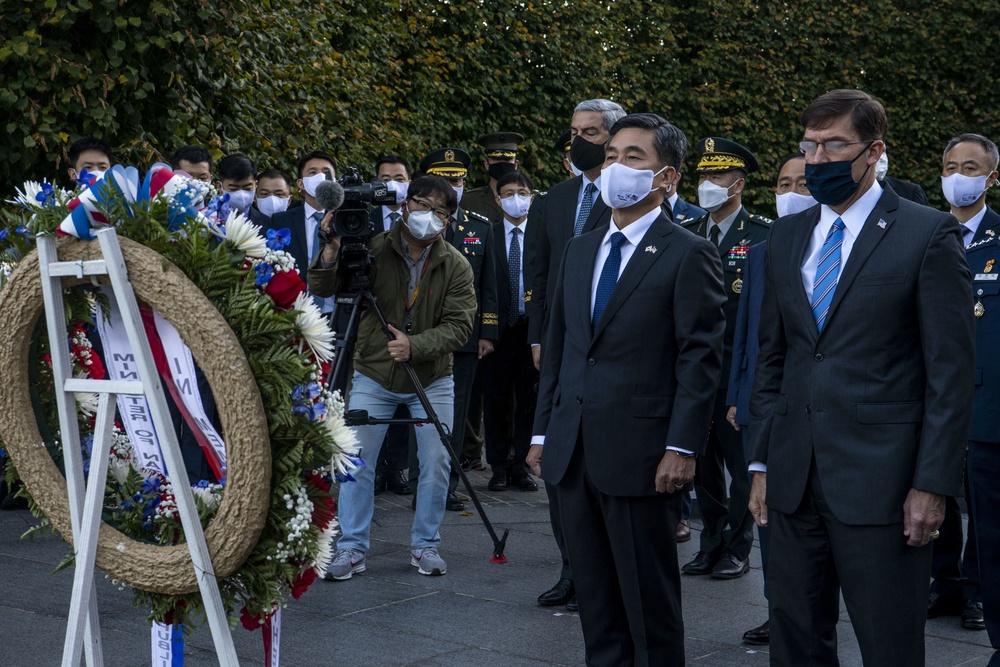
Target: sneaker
(427, 561)
(345, 564)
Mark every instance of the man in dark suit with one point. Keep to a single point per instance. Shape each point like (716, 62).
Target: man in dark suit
(472, 235)
(632, 362)
(683, 211)
(904, 189)
(509, 375)
(969, 585)
(567, 210)
(727, 536)
(303, 221)
(238, 178)
(861, 405)
(396, 173)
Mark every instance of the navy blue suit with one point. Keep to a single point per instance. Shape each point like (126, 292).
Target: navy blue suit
(686, 212)
(294, 219)
(983, 469)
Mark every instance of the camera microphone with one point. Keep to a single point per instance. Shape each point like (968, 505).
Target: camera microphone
(329, 195)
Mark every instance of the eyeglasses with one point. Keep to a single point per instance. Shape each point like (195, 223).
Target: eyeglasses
(439, 213)
(832, 147)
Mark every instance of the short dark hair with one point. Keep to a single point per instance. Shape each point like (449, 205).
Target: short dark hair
(275, 173)
(235, 167)
(517, 178)
(88, 144)
(867, 114)
(988, 146)
(670, 142)
(191, 153)
(314, 155)
(394, 159)
(424, 186)
(789, 158)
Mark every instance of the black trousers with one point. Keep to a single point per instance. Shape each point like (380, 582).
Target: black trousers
(509, 380)
(956, 575)
(624, 557)
(885, 584)
(983, 474)
(728, 522)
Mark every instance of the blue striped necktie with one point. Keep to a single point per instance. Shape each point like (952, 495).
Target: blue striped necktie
(609, 277)
(585, 206)
(827, 273)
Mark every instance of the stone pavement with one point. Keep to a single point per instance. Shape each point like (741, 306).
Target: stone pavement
(478, 615)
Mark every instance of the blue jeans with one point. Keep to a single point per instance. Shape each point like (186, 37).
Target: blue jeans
(357, 499)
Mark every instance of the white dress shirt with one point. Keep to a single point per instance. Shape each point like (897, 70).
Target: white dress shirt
(972, 225)
(387, 215)
(509, 227)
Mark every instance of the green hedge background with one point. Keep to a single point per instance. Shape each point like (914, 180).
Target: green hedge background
(276, 77)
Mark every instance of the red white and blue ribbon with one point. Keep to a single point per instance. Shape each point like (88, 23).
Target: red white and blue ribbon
(168, 645)
(272, 639)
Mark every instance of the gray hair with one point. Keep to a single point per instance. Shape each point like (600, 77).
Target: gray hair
(611, 111)
(988, 146)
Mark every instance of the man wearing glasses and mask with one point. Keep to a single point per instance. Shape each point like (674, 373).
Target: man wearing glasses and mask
(425, 288)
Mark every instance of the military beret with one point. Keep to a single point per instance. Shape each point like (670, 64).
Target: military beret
(446, 162)
(501, 144)
(718, 154)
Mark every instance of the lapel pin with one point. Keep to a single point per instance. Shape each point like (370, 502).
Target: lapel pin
(990, 232)
(651, 248)
(881, 223)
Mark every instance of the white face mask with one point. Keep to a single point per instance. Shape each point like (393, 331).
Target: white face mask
(424, 225)
(273, 204)
(241, 200)
(399, 188)
(711, 197)
(309, 183)
(574, 169)
(961, 190)
(792, 202)
(623, 186)
(516, 206)
(458, 191)
(882, 167)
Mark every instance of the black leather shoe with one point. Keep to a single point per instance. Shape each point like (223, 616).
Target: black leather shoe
(524, 482)
(453, 504)
(498, 482)
(703, 563)
(572, 605)
(561, 593)
(972, 616)
(379, 483)
(730, 567)
(759, 636)
(941, 606)
(397, 483)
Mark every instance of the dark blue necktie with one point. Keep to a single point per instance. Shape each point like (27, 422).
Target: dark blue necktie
(585, 206)
(609, 277)
(514, 276)
(827, 273)
(315, 247)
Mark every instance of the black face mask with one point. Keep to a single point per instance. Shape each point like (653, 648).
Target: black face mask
(585, 155)
(498, 170)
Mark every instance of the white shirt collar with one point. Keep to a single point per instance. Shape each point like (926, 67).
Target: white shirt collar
(672, 200)
(634, 232)
(976, 220)
(509, 226)
(310, 211)
(854, 217)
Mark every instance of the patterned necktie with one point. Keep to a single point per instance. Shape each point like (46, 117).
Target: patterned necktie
(585, 206)
(393, 219)
(715, 234)
(827, 272)
(609, 277)
(514, 276)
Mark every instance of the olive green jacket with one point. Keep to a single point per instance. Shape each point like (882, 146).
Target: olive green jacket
(440, 321)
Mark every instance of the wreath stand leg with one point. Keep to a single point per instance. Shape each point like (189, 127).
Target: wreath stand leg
(86, 513)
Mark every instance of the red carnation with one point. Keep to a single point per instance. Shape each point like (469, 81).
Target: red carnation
(249, 622)
(303, 582)
(284, 287)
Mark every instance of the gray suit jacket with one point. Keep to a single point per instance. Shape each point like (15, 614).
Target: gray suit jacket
(881, 399)
(647, 376)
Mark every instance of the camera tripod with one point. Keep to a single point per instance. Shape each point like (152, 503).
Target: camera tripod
(338, 380)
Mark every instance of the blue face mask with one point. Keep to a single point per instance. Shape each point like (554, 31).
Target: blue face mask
(832, 183)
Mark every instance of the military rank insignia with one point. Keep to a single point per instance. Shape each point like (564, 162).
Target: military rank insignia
(472, 240)
(739, 251)
(989, 266)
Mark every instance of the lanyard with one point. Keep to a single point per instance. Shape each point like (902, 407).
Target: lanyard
(416, 289)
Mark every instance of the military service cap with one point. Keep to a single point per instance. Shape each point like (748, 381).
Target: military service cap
(564, 141)
(446, 162)
(718, 154)
(501, 144)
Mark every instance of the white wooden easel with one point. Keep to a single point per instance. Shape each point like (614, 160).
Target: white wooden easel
(85, 501)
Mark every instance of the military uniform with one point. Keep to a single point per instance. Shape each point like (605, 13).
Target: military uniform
(728, 532)
(502, 147)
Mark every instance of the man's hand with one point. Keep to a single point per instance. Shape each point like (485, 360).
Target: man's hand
(536, 356)
(331, 249)
(923, 513)
(757, 505)
(674, 472)
(731, 417)
(534, 459)
(399, 349)
(485, 347)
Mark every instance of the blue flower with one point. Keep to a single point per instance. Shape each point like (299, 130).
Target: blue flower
(3, 234)
(264, 274)
(23, 231)
(150, 485)
(47, 194)
(277, 239)
(3, 452)
(87, 450)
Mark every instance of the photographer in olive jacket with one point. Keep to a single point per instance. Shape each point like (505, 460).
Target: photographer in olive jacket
(425, 288)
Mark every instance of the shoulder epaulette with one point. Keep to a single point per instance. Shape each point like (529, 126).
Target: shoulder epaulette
(688, 222)
(477, 216)
(761, 219)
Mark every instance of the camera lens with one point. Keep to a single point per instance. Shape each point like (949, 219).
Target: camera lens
(353, 223)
